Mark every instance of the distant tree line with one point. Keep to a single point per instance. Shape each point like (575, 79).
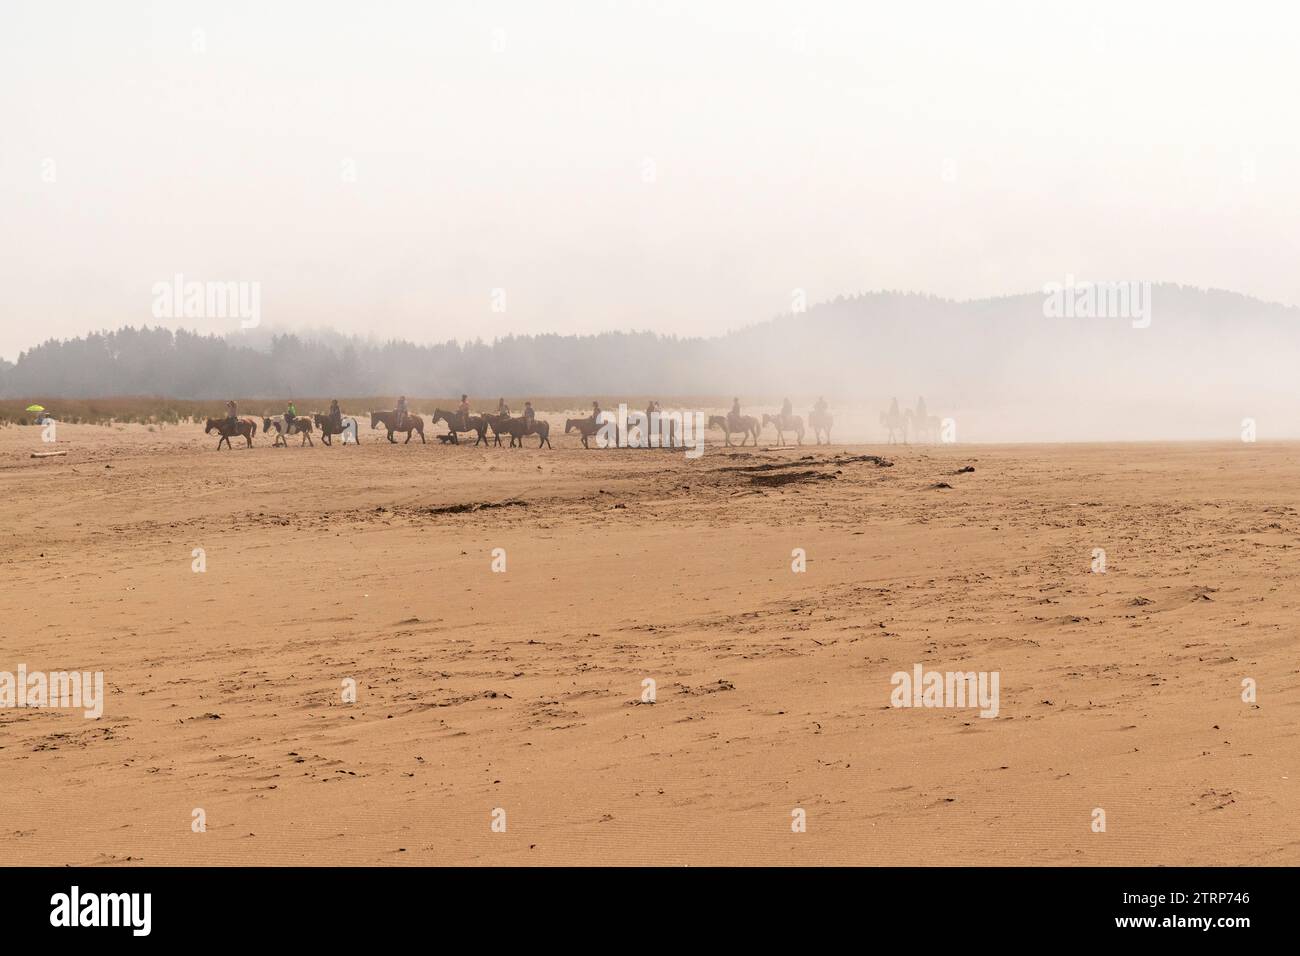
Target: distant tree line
(182, 364)
(867, 346)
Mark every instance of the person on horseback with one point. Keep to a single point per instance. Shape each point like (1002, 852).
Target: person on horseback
(787, 409)
(529, 415)
(232, 413)
(893, 410)
(290, 414)
(820, 407)
(502, 408)
(335, 416)
(399, 413)
(462, 413)
(920, 408)
(734, 416)
(595, 412)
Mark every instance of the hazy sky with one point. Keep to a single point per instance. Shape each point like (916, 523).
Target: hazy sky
(683, 167)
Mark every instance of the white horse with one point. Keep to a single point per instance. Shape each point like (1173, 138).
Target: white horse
(301, 426)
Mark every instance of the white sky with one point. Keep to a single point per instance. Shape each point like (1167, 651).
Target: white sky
(503, 145)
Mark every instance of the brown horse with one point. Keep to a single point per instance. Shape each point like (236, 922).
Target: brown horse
(543, 432)
(516, 428)
(243, 426)
(299, 426)
(328, 428)
(585, 427)
(474, 423)
(746, 424)
(389, 421)
(783, 424)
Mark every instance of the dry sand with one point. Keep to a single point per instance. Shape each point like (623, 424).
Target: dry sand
(521, 690)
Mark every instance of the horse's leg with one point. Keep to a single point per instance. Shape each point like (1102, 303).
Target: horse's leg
(421, 431)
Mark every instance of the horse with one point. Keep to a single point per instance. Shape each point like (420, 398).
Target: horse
(543, 432)
(896, 422)
(747, 424)
(586, 427)
(821, 422)
(301, 425)
(647, 435)
(389, 421)
(516, 428)
(243, 426)
(327, 429)
(473, 423)
(793, 422)
(924, 425)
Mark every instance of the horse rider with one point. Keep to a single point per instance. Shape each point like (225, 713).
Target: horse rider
(462, 412)
(920, 408)
(529, 415)
(502, 408)
(787, 409)
(893, 410)
(232, 413)
(595, 412)
(399, 413)
(335, 416)
(734, 416)
(290, 414)
(820, 407)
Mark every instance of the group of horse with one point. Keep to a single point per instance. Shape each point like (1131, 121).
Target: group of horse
(513, 427)
(909, 421)
(497, 426)
(490, 429)
(747, 426)
(303, 425)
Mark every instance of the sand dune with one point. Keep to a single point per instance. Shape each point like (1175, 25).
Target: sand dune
(522, 690)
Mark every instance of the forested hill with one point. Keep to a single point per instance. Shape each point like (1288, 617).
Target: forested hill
(878, 343)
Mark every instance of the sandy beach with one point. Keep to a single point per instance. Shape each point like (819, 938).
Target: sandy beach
(479, 691)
